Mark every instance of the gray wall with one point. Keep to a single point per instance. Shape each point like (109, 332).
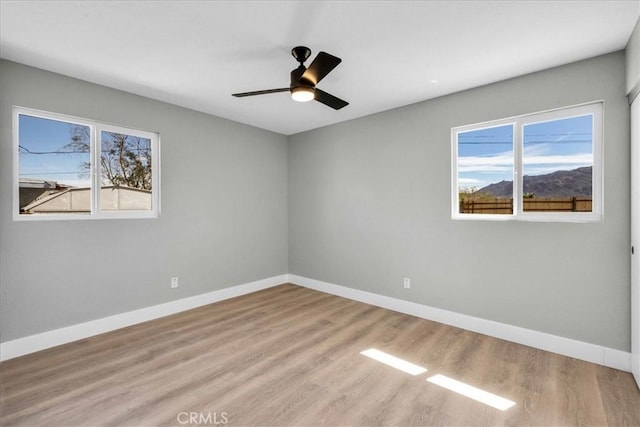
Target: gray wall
(633, 62)
(369, 204)
(223, 220)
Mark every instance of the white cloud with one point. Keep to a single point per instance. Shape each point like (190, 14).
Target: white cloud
(500, 163)
(504, 163)
(583, 159)
(468, 181)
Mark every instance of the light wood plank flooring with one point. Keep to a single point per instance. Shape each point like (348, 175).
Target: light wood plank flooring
(290, 356)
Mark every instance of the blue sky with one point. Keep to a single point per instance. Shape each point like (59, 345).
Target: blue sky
(485, 156)
(41, 143)
(43, 151)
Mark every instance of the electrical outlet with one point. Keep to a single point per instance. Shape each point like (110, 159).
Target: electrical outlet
(174, 282)
(407, 283)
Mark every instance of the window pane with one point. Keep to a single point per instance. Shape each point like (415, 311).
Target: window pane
(125, 172)
(485, 170)
(54, 163)
(557, 165)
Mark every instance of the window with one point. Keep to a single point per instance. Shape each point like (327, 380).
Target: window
(554, 158)
(70, 168)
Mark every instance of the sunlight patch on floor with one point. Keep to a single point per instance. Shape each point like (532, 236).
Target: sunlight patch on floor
(393, 361)
(472, 392)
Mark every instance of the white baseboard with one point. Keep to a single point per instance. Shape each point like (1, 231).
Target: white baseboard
(33, 343)
(605, 356)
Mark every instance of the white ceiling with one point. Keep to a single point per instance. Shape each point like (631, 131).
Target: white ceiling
(197, 53)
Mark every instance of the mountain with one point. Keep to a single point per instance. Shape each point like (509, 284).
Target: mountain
(576, 182)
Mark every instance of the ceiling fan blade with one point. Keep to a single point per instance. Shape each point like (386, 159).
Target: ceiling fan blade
(320, 67)
(261, 92)
(330, 100)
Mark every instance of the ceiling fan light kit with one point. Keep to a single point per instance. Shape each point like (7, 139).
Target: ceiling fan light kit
(304, 79)
(302, 93)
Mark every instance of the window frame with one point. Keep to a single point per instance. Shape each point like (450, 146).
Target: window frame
(95, 129)
(595, 109)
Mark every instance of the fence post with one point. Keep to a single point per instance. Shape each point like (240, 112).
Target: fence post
(574, 204)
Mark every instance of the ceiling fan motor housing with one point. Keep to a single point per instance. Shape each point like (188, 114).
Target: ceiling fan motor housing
(296, 77)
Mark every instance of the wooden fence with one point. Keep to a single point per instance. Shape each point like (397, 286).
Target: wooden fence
(533, 204)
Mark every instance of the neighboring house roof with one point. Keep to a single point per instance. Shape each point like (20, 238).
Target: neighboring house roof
(38, 183)
(31, 189)
(78, 200)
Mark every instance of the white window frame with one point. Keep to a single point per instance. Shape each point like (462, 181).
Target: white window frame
(95, 129)
(595, 109)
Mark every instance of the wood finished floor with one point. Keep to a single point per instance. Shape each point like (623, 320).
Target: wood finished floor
(290, 356)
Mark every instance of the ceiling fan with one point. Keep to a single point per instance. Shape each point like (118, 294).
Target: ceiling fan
(304, 80)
